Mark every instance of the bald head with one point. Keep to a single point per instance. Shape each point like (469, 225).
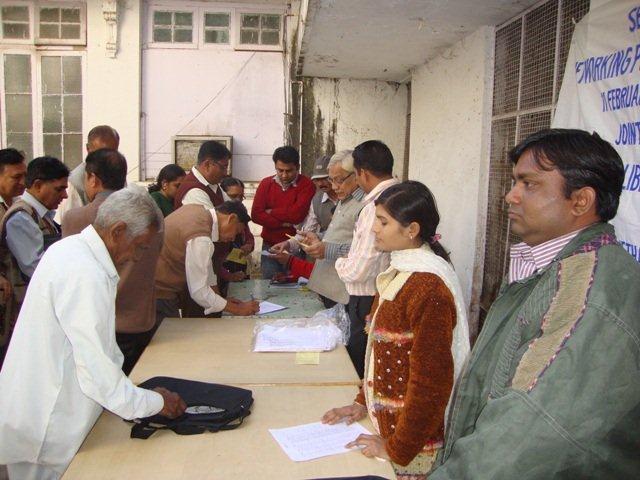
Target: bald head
(102, 136)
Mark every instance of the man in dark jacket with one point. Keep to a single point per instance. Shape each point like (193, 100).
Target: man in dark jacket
(551, 388)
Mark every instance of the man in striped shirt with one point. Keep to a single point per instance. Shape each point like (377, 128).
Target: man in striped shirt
(373, 164)
(552, 381)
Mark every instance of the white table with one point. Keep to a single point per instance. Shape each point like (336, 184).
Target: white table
(249, 452)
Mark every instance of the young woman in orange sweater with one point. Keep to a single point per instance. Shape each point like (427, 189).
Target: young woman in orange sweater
(418, 337)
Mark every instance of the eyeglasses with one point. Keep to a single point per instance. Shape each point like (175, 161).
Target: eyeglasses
(219, 164)
(238, 198)
(339, 181)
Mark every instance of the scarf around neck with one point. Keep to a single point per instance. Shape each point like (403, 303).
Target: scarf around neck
(406, 262)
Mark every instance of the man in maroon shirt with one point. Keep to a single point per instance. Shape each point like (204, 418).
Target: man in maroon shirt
(281, 202)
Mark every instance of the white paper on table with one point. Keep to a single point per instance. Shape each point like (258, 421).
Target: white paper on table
(315, 440)
(278, 338)
(268, 307)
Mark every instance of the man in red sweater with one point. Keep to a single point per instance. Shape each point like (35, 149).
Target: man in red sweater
(281, 202)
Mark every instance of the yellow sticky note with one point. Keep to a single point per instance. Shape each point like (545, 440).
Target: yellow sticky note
(307, 358)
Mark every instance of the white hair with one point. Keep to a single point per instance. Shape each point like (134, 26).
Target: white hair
(344, 158)
(132, 205)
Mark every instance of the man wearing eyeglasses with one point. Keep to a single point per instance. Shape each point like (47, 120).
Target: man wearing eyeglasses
(336, 241)
(201, 186)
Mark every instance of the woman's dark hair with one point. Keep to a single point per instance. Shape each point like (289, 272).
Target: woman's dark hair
(412, 201)
(169, 173)
(583, 159)
(227, 182)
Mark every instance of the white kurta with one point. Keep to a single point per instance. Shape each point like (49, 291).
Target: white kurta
(63, 363)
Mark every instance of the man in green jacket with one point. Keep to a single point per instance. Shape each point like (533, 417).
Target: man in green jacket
(552, 386)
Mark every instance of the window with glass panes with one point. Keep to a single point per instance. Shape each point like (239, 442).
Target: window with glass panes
(172, 27)
(57, 131)
(59, 23)
(216, 27)
(41, 87)
(61, 88)
(18, 102)
(15, 22)
(259, 29)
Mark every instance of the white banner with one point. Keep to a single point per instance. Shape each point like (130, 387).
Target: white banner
(601, 92)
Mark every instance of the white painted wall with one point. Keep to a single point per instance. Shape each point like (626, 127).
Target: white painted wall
(214, 91)
(364, 110)
(449, 149)
(112, 85)
(246, 91)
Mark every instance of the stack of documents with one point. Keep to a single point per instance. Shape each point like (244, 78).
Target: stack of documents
(291, 338)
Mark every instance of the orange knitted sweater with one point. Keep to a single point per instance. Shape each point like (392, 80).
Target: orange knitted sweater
(413, 366)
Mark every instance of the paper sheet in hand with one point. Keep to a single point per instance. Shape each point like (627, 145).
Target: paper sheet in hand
(315, 440)
(268, 307)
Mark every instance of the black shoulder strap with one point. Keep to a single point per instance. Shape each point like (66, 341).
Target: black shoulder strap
(143, 429)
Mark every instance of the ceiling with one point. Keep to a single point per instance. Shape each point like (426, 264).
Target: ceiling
(385, 39)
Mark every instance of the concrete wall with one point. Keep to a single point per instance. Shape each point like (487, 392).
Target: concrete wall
(449, 148)
(341, 113)
(112, 85)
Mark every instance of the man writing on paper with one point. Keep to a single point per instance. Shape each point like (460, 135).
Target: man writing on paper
(185, 269)
(63, 365)
(201, 186)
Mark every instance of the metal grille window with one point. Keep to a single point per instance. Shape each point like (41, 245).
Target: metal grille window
(216, 28)
(172, 27)
(260, 29)
(530, 55)
(15, 22)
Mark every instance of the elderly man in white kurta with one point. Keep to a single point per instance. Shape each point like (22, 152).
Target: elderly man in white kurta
(63, 364)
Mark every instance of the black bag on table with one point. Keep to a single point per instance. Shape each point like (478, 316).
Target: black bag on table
(211, 408)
